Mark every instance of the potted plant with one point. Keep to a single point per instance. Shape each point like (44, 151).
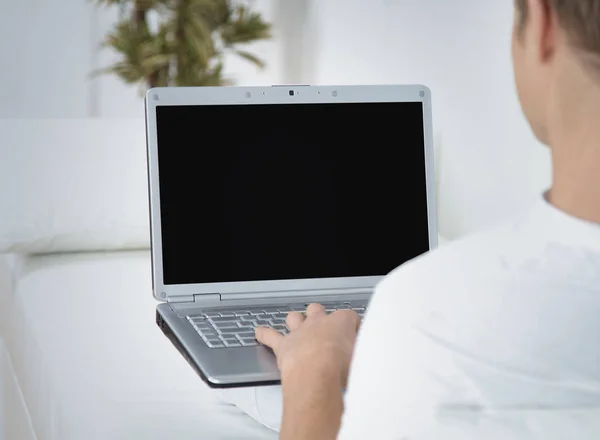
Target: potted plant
(181, 42)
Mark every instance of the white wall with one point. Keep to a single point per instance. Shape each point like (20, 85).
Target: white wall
(490, 163)
(45, 52)
(49, 48)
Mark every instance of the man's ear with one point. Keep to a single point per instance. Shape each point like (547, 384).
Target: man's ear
(543, 29)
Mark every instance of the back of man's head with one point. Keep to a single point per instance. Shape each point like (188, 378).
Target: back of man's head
(556, 53)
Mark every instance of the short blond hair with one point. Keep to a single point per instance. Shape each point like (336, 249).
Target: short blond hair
(579, 18)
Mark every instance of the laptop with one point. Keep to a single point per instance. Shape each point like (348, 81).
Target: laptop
(266, 199)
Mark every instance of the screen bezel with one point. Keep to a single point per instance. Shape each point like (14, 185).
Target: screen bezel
(179, 96)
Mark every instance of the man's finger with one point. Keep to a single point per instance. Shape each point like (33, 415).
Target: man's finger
(268, 337)
(315, 310)
(294, 320)
(350, 317)
(357, 321)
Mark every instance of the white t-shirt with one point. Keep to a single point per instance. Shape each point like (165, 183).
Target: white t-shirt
(496, 336)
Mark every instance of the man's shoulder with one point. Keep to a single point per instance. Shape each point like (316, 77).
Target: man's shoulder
(461, 259)
(439, 291)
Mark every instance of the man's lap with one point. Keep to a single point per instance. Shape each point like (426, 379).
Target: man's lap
(263, 404)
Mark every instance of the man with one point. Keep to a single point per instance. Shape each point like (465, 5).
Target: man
(495, 336)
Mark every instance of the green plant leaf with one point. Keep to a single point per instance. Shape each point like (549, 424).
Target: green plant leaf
(251, 58)
(199, 41)
(245, 27)
(154, 63)
(214, 13)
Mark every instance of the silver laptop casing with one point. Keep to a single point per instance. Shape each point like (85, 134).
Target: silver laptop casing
(256, 365)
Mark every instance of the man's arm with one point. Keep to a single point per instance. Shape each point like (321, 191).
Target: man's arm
(312, 402)
(313, 360)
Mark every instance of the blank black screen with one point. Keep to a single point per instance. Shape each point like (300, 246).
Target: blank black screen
(275, 192)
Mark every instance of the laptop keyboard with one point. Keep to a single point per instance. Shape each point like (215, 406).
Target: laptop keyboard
(224, 328)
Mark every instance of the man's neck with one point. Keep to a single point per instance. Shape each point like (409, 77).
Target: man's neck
(575, 145)
(576, 186)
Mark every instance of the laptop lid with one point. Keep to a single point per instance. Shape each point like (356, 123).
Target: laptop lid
(287, 189)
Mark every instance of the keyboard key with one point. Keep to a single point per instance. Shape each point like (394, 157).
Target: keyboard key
(279, 316)
(263, 323)
(226, 338)
(246, 334)
(232, 343)
(248, 342)
(280, 327)
(244, 314)
(224, 319)
(212, 314)
(223, 325)
(227, 314)
(197, 318)
(247, 318)
(284, 309)
(263, 316)
(215, 344)
(271, 310)
(228, 331)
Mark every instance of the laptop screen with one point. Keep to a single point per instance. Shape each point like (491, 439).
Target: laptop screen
(299, 191)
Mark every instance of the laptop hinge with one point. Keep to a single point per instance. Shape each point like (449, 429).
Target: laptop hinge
(207, 298)
(299, 293)
(197, 299)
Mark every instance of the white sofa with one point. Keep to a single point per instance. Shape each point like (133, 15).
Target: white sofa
(83, 358)
(80, 356)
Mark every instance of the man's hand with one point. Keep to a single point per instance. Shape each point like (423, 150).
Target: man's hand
(318, 341)
(314, 359)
